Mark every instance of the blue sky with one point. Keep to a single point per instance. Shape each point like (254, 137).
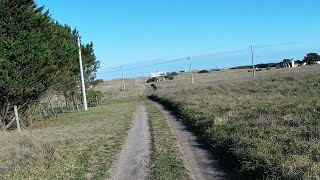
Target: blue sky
(140, 32)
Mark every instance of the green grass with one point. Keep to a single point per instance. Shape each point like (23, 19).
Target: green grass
(72, 146)
(268, 128)
(166, 161)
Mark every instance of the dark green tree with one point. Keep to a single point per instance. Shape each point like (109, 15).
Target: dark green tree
(311, 57)
(70, 84)
(90, 63)
(286, 60)
(36, 53)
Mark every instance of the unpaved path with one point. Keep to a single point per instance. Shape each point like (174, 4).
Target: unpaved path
(202, 165)
(134, 159)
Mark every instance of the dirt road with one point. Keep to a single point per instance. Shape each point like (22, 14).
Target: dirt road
(202, 165)
(134, 159)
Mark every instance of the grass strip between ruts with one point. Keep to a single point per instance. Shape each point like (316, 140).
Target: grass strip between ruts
(166, 157)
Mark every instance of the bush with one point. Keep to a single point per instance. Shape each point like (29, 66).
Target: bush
(169, 77)
(173, 74)
(203, 71)
(153, 79)
(92, 95)
(154, 87)
(96, 82)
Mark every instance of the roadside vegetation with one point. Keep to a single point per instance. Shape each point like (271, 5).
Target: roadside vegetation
(74, 146)
(166, 157)
(265, 129)
(38, 56)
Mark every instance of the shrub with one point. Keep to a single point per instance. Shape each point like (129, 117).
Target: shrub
(203, 71)
(173, 73)
(169, 77)
(96, 82)
(154, 87)
(92, 95)
(153, 79)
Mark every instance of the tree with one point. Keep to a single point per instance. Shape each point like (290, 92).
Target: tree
(70, 84)
(172, 73)
(286, 60)
(311, 57)
(90, 62)
(36, 54)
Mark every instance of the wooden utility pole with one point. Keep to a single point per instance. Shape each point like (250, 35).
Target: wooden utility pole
(84, 98)
(189, 58)
(252, 58)
(17, 117)
(124, 85)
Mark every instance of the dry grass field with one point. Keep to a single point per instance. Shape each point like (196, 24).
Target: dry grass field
(268, 128)
(265, 128)
(80, 145)
(114, 89)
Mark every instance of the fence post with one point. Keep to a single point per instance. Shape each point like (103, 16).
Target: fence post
(62, 107)
(17, 117)
(77, 104)
(30, 115)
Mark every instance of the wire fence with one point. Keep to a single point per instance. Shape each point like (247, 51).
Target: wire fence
(46, 108)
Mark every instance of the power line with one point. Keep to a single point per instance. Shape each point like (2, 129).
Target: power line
(164, 62)
(102, 61)
(141, 67)
(108, 72)
(108, 65)
(228, 52)
(276, 45)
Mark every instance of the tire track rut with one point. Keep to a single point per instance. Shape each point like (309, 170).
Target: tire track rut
(135, 156)
(201, 163)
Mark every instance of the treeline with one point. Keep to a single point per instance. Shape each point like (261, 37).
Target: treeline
(262, 65)
(37, 54)
(309, 59)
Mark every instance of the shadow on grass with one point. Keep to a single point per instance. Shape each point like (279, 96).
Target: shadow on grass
(217, 156)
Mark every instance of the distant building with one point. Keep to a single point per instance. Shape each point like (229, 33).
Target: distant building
(290, 64)
(315, 62)
(158, 74)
